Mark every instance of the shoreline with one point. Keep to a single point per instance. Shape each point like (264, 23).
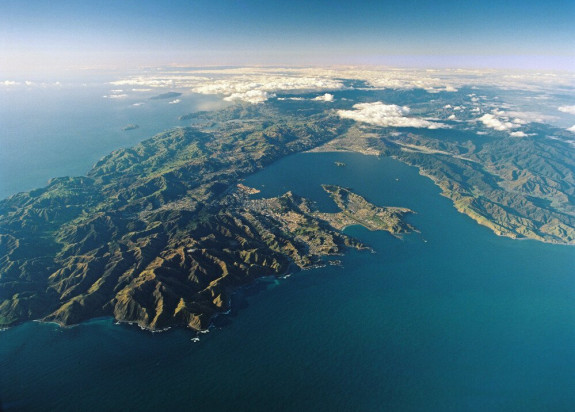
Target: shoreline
(423, 173)
(283, 276)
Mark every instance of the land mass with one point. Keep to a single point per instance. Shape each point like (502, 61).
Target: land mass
(187, 116)
(355, 210)
(168, 95)
(130, 127)
(523, 188)
(163, 233)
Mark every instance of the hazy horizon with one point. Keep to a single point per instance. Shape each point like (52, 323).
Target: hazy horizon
(38, 37)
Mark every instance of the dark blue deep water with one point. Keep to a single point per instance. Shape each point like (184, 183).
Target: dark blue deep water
(451, 319)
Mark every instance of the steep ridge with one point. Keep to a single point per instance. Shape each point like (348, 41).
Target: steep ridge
(160, 234)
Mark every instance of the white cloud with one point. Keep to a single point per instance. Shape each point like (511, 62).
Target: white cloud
(246, 84)
(571, 129)
(494, 122)
(452, 117)
(253, 89)
(137, 104)
(518, 134)
(233, 83)
(251, 96)
(176, 101)
(324, 98)
(160, 80)
(115, 96)
(29, 83)
(524, 117)
(453, 79)
(567, 109)
(387, 115)
(291, 98)
(141, 90)
(432, 89)
(501, 121)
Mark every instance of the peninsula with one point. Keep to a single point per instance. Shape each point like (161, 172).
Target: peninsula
(355, 210)
(161, 234)
(519, 188)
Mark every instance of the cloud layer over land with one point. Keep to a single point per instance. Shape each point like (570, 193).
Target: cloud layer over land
(257, 89)
(235, 83)
(502, 122)
(386, 115)
(256, 85)
(496, 123)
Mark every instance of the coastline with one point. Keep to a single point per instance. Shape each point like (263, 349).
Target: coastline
(485, 222)
(350, 314)
(230, 308)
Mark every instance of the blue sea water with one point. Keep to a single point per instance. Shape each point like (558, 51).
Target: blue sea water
(451, 318)
(62, 130)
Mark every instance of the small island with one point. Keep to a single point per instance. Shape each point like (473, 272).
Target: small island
(168, 95)
(130, 126)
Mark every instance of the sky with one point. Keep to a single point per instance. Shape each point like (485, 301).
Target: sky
(56, 35)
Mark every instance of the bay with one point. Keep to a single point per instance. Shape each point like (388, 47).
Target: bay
(451, 318)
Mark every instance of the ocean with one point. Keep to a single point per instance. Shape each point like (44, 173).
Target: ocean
(63, 129)
(450, 318)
